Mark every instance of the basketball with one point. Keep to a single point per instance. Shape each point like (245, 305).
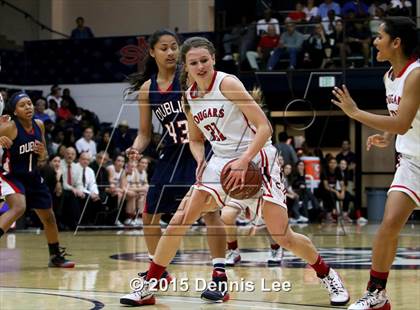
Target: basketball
(253, 181)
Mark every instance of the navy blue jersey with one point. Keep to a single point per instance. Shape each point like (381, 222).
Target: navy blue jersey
(20, 158)
(167, 106)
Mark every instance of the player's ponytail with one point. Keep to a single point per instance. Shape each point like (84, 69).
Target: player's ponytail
(183, 81)
(256, 94)
(149, 65)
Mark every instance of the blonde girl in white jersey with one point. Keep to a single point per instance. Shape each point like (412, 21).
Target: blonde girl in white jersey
(220, 109)
(397, 43)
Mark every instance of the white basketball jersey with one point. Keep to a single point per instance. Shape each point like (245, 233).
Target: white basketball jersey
(116, 175)
(408, 143)
(221, 120)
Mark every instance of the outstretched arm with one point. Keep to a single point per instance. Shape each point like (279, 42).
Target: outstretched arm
(398, 124)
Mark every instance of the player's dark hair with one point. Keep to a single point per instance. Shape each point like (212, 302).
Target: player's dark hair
(118, 155)
(11, 103)
(404, 28)
(149, 65)
(188, 44)
(283, 136)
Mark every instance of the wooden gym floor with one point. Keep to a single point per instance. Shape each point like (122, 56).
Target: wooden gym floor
(107, 260)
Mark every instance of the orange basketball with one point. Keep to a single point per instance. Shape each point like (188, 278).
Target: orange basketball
(253, 181)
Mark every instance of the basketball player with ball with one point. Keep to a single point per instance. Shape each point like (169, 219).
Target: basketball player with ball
(160, 94)
(219, 109)
(235, 207)
(397, 42)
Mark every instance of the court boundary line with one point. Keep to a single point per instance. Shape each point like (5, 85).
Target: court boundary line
(179, 296)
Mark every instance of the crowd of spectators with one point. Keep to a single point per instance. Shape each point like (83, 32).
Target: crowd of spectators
(331, 196)
(92, 183)
(87, 173)
(316, 34)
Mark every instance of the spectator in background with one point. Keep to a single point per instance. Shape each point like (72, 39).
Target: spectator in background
(349, 157)
(102, 178)
(64, 112)
(286, 150)
(359, 37)
(262, 24)
(136, 186)
(304, 150)
(233, 39)
(376, 21)
(51, 174)
(333, 189)
(106, 143)
(86, 143)
(52, 110)
(323, 162)
(358, 7)
(329, 22)
(49, 131)
(311, 11)
(72, 104)
(400, 7)
(91, 200)
(78, 115)
(57, 140)
(61, 151)
(116, 190)
(328, 5)
(267, 44)
(101, 160)
(310, 205)
(72, 189)
(40, 105)
(122, 137)
(55, 95)
(298, 15)
(377, 4)
(290, 44)
(348, 194)
(292, 198)
(69, 137)
(81, 31)
(316, 48)
(248, 40)
(337, 43)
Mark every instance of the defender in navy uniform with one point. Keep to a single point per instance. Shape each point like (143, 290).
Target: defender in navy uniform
(21, 182)
(175, 173)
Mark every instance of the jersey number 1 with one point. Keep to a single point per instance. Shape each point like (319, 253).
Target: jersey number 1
(30, 163)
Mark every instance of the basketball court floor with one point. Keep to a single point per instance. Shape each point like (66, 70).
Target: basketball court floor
(108, 260)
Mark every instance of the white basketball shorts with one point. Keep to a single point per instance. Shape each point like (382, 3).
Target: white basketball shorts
(272, 188)
(407, 178)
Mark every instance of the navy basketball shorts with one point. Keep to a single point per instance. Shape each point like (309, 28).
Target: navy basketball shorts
(33, 186)
(173, 177)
